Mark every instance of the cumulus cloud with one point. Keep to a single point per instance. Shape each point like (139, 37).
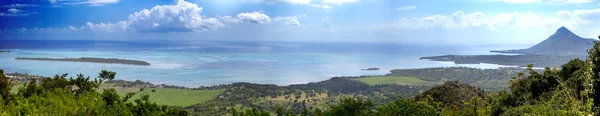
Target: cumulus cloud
(181, 17)
(581, 17)
(460, 19)
(407, 8)
(547, 1)
(289, 1)
(254, 17)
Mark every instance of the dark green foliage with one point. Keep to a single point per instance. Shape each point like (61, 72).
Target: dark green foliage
(61, 96)
(594, 72)
(107, 75)
(568, 69)
(249, 112)
(350, 107)
(452, 93)
(5, 85)
(573, 73)
(404, 107)
(318, 112)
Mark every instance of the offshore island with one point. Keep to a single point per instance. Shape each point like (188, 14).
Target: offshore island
(92, 60)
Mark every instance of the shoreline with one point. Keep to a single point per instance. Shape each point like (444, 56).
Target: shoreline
(91, 60)
(511, 60)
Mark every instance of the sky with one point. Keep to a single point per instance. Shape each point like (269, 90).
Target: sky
(389, 21)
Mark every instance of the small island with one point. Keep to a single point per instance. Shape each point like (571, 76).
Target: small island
(92, 60)
(4, 51)
(370, 69)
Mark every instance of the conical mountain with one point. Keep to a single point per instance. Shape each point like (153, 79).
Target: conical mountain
(563, 42)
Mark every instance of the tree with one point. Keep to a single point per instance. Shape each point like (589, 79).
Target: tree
(350, 107)
(106, 75)
(593, 73)
(404, 107)
(5, 85)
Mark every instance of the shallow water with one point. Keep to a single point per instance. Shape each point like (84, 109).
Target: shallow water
(193, 66)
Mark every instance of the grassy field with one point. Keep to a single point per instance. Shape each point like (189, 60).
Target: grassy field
(16, 87)
(162, 96)
(394, 80)
(171, 97)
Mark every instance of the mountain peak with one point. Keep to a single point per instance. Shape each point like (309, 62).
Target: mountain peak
(564, 31)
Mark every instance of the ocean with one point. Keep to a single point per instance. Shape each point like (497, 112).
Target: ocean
(207, 63)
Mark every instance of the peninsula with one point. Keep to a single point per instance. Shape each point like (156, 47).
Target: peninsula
(92, 60)
(556, 50)
(511, 60)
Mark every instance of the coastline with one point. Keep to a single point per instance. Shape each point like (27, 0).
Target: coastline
(514, 60)
(91, 60)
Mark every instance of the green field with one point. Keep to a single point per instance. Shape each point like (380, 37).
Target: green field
(171, 97)
(16, 87)
(400, 80)
(162, 96)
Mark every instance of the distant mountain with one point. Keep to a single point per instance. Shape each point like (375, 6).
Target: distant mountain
(563, 42)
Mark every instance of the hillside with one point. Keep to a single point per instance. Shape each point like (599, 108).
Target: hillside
(562, 42)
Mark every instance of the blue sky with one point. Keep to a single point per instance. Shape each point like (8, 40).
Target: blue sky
(396, 21)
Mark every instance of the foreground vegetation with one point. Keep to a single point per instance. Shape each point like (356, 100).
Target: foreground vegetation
(74, 96)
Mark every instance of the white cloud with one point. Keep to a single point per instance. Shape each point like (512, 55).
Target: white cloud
(19, 5)
(16, 14)
(460, 19)
(229, 19)
(182, 17)
(106, 27)
(581, 17)
(407, 8)
(84, 2)
(14, 10)
(547, 1)
(254, 17)
(292, 20)
(289, 1)
(337, 2)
